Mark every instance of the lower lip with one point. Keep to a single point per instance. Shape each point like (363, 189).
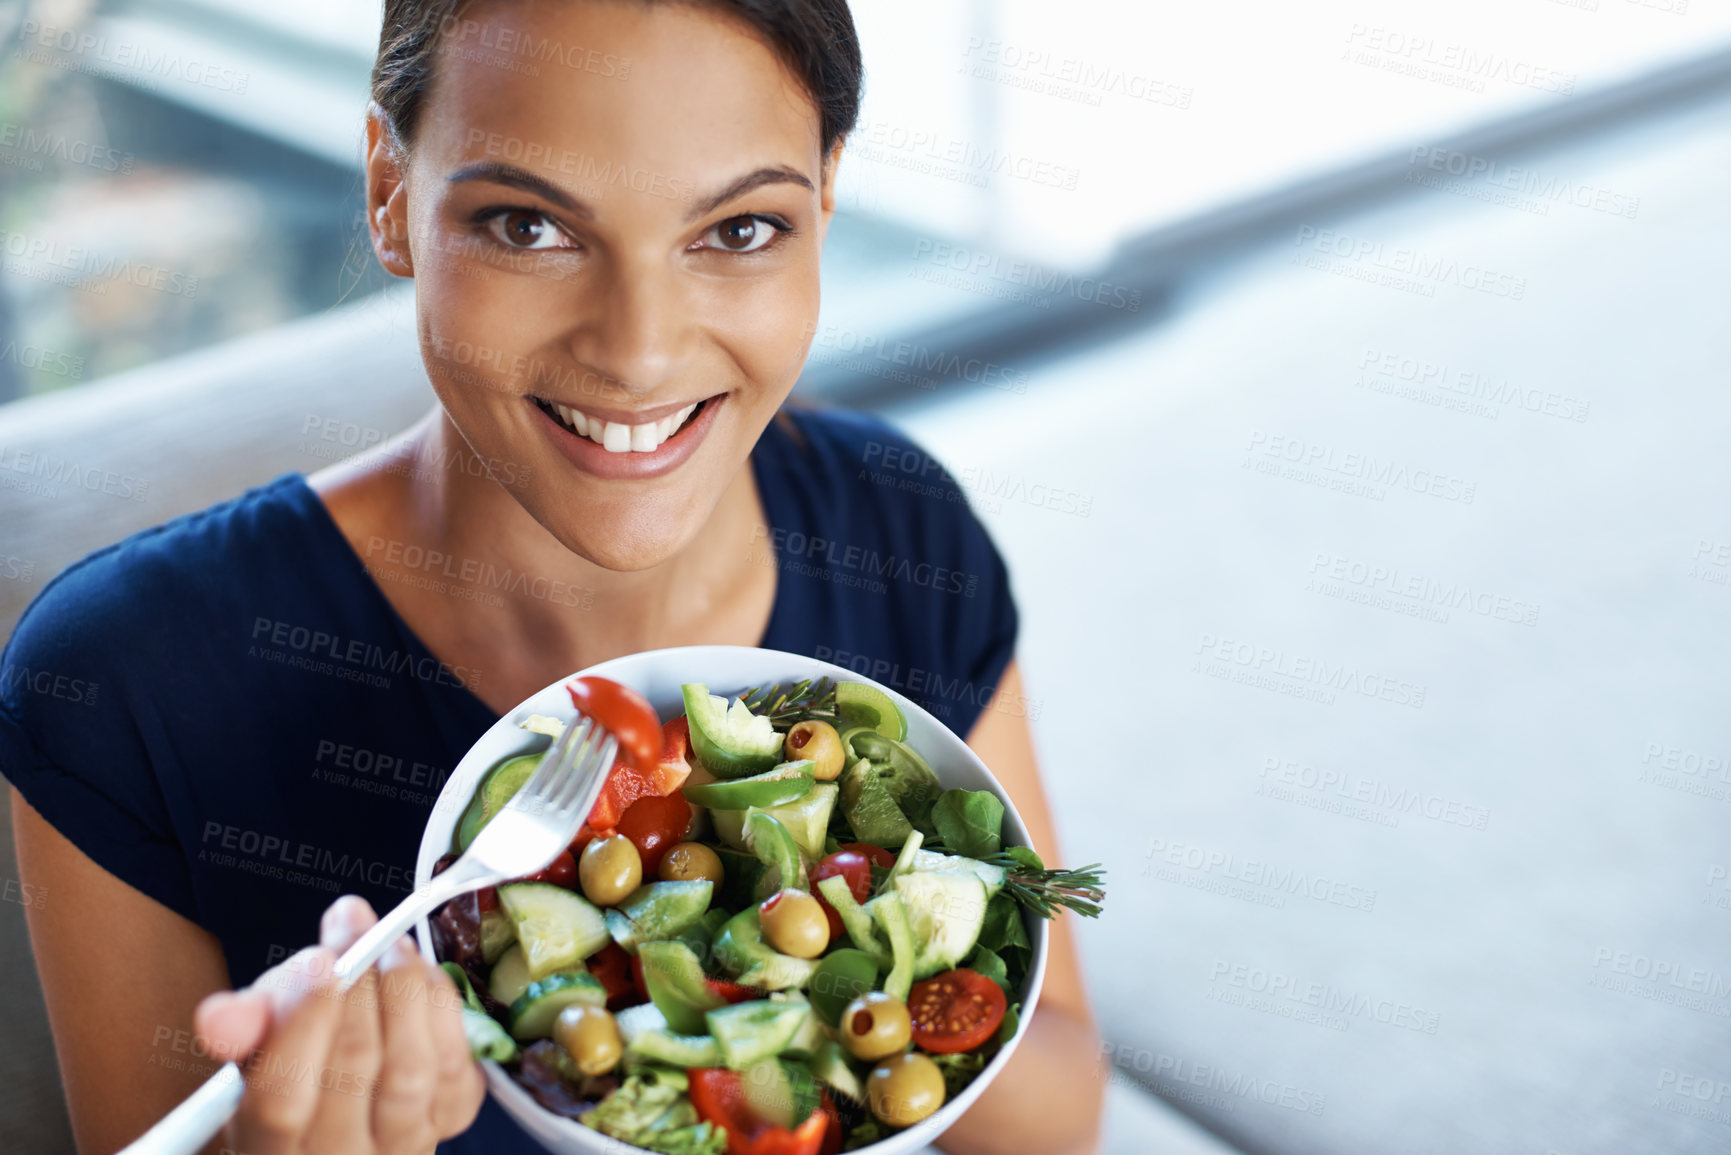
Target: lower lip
(668, 456)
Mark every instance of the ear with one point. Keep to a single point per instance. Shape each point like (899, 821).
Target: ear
(826, 194)
(387, 195)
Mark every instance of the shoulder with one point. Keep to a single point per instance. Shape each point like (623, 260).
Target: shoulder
(130, 600)
(868, 464)
(880, 541)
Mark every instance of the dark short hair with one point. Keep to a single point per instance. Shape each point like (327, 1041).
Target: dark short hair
(815, 40)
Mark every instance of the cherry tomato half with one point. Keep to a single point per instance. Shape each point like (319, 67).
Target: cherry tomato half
(612, 966)
(562, 871)
(876, 855)
(625, 713)
(955, 1011)
(654, 825)
(856, 869)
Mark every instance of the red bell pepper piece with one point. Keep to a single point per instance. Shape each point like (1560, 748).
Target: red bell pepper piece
(719, 1097)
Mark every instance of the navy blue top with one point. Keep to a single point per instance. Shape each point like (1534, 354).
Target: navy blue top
(226, 713)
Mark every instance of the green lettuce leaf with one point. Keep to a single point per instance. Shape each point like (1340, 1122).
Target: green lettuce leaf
(969, 822)
(652, 1112)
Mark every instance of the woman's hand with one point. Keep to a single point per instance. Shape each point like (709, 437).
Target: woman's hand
(383, 1068)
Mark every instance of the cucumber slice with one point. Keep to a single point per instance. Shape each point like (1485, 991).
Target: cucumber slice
(497, 933)
(807, 819)
(780, 1093)
(510, 977)
(871, 809)
(785, 783)
(741, 953)
(533, 1013)
(663, 910)
(675, 1050)
(621, 929)
(810, 1037)
(911, 783)
(930, 861)
(642, 1017)
(905, 860)
(497, 788)
(945, 910)
(831, 1065)
(757, 1030)
(855, 919)
(781, 973)
(729, 740)
(887, 909)
(487, 1039)
(858, 704)
(674, 979)
(648, 1036)
(557, 929)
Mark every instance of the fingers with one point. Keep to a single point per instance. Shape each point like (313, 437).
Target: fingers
(349, 1075)
(283, 1094)
(409, 1077)
(232, 1023)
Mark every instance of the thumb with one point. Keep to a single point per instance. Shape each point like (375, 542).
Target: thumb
(232, 1024)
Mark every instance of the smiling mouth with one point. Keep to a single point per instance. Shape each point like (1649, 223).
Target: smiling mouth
(617, 437)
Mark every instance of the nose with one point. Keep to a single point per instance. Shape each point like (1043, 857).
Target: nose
(633, 329)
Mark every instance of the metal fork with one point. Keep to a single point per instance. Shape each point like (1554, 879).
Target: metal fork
(526, 836)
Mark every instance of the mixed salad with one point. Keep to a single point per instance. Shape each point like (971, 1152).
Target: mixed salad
(777, 934)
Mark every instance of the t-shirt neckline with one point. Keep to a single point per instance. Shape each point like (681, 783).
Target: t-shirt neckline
(774, 511)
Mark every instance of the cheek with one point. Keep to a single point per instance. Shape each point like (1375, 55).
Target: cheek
(767, 328)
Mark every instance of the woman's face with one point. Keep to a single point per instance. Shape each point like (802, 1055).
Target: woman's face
(613, 213)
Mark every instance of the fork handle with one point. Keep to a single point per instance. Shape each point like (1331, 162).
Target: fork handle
(186, 1129)
(372, 945)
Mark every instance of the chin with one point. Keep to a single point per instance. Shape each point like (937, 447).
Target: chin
(627, 535)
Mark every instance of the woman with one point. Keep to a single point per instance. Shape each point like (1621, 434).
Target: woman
(613, 211)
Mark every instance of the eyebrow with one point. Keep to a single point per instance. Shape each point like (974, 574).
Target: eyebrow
(509, 174)
(779, 174)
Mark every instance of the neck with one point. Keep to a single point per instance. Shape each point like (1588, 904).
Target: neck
(567, 611)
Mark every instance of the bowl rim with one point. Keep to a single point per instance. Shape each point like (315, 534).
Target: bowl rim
(491, 747)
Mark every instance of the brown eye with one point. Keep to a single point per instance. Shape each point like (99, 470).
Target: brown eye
(742, 234)
(525, 230)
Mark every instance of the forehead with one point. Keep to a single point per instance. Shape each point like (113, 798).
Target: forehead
(674, 90)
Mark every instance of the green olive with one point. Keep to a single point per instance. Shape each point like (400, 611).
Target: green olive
(610, 869)
(819, 742)
(590, 1036)
(875, 1025)
(905, 1089)
(689, 861)
(794, 923)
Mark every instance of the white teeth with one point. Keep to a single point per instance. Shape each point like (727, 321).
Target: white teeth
(617, 438)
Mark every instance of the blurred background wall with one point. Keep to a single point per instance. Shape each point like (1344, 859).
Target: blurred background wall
(1353, 413)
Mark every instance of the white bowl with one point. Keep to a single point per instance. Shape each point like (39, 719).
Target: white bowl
(657, 675)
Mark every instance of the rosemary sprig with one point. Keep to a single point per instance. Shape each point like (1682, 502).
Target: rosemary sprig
(1044, 891)
(786, 706)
